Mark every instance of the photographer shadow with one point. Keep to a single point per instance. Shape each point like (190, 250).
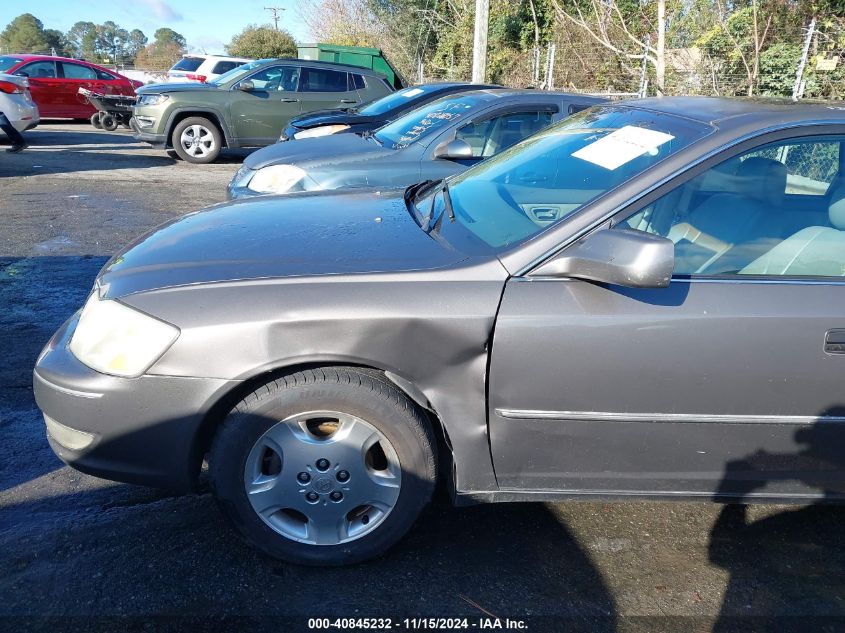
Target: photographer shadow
(785, 567)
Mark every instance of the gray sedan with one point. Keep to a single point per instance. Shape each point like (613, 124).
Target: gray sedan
(644, 300)
(434, 141)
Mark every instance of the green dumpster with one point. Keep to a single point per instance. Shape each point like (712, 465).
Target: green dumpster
(356, 55)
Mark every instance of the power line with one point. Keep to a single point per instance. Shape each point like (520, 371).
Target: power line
(275, 13)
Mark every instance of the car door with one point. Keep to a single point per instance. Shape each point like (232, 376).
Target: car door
(72, 77)
(259, 114)
(727, 382)
(487, 134)
(110, 84)
(45, 87)
(324, 89)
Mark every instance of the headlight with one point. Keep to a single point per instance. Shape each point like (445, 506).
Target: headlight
(151, 100)
(113, 338)
(277, 179)
(323, 130)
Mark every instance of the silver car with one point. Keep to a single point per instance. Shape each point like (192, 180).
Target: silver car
(16, 102)
(644, 300)
(436, 140)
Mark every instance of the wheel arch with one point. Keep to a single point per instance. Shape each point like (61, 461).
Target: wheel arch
(221, 408)
(183, 113)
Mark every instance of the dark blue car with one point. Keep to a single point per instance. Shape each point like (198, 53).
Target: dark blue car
(373, 115)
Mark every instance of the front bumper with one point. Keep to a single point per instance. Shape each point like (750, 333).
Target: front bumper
(156, 140)
(136, 430)
(151, 133)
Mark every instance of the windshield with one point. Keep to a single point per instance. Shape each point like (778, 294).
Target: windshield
(511, 197)
(427, 120)
(7, 62)
(396, 100)
(238, 73)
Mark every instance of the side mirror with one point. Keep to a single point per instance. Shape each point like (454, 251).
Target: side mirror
(246, 85)
(454, 149)
(620, 257)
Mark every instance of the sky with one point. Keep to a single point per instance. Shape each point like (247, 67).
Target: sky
(207, 24)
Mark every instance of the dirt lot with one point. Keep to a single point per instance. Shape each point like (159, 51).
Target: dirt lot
(73, 547)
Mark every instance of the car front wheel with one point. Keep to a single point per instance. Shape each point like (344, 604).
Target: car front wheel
(324, 467)
(197, 140)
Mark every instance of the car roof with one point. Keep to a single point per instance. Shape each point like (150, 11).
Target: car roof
(28, 57)
(728, 113)
(322, 64)
(492, 94)
(444, 85)
(223, 57)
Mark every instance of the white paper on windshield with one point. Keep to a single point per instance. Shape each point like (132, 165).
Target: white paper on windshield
(413, 92)
(622, 146)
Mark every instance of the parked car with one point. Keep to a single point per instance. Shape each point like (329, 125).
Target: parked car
(55, 82)
(371, 116)
(644, 300)
(202, 68)
(16, 102)
(437, 140)
(248, 106)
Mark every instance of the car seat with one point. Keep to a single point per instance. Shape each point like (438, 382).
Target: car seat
(813, 251)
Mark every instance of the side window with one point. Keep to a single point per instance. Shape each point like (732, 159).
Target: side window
(104, 76)
(321, 80)
(78, 71)
(810, 167)
(356, 82)
(776, 210)
(276, 78)
(38, 70)
(224, 67)
(491, 136)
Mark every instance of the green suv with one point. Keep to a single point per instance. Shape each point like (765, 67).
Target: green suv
(248, 106)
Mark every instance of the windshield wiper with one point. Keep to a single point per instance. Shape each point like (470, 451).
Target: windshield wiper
(370, 134)
(447, 201)
(449, 210)
(410, 196)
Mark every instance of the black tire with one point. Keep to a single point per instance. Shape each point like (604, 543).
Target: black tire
(95, 120)
(202, 123)
(359, 392)
(108, 122)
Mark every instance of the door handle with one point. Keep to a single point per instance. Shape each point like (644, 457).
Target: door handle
(348, 101)
(834, 342)
(288, 100)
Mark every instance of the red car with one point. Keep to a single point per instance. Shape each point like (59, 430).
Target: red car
(54, 82)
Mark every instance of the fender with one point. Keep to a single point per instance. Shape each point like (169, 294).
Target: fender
(218, 116)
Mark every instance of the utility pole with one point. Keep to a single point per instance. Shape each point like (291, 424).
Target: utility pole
(643, 91)
(275, 13)
(798, 88)
(660, 56)
(479, 43)
(550, 67)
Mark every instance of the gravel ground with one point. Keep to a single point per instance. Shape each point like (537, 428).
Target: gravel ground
(80, 552)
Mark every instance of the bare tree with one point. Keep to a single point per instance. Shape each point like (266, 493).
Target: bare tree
(750, 61)
(609, 28)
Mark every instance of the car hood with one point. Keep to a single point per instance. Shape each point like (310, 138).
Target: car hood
(329, 117)
(278, 236)
(324, 150)
(175, 87)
